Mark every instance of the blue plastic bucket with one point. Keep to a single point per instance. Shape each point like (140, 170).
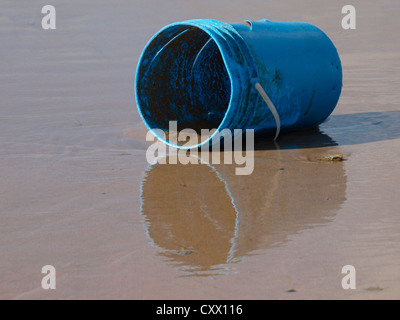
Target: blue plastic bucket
(208, 74)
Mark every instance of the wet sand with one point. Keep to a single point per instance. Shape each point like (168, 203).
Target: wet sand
(77, 193)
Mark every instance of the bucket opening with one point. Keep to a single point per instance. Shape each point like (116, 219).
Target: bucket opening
(182, 77)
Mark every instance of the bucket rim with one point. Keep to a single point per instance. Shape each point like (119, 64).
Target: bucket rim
(221, 33)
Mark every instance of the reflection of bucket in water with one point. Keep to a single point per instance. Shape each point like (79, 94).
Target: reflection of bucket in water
(190, 214)
(204, 217)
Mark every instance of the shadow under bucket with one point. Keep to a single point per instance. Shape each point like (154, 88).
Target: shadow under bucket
(268, 76)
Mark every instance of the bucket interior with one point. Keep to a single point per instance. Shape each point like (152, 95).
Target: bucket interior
(182, 77)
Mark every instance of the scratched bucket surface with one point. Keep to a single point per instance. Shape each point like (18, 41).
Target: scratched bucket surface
(202, 74)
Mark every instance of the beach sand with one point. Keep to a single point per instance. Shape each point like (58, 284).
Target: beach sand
(76, 191)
